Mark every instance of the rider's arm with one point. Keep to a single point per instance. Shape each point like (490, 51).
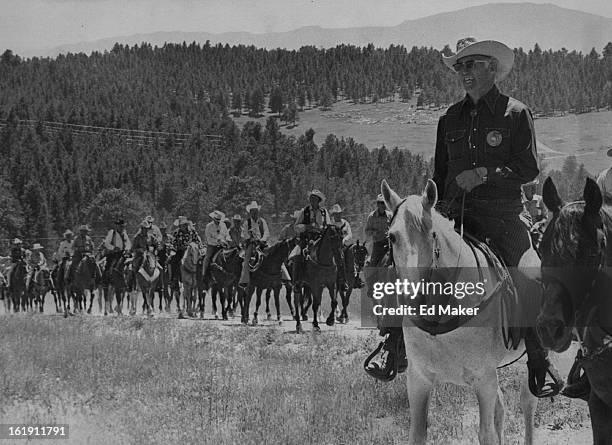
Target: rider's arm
(108, 241)
(348, 233)
(266, 235)
(126, 239)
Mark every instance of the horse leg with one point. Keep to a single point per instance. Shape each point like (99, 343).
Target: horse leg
(268, 315)
(331, 318)
(317, 294)
(297, 302)
(529, 404)
(215, 291)
(288, 290)
(277, 302)
(224, 298)
(306, 302)
(258, 292)
(419, 391)
(487, 393)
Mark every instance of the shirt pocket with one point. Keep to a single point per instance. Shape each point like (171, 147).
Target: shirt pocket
(497, 143)
(455, 144)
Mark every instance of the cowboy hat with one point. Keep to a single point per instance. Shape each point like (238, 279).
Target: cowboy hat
(318, 194)
(180, 220)
(216, 215)
(237, 217)
(37, 246)
(68, 232)
(17, 241)
(146, 224)
(84, 228)
(491, 48)
(335, 209)
(150, 219)
(252, 205)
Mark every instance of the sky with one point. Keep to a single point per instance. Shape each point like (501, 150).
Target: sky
(37, 24)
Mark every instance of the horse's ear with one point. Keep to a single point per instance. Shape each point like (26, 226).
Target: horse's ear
(392, 199)
(430, 195)
(592, 197)
(551, 198)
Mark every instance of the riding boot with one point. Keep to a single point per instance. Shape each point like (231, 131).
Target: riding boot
(393, 358)
(538, 367)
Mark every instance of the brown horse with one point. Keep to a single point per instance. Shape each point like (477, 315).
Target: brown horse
(576, 254)
(42, 282)
(354, 260)
(87, 279)
(17, 287)
(147, 277)
(225, 268)
(319, 271)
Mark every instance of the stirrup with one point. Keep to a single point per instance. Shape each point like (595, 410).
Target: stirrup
(578, 385)
(549, 388)
(386, 374)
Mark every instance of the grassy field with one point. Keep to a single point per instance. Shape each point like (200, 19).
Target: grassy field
(398, 124)
(160, 381)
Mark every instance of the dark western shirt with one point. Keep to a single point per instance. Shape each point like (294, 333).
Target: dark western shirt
(496, 133)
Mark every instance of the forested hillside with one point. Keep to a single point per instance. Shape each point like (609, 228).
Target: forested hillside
(184, 155)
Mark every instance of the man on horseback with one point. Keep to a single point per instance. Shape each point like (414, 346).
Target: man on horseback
(256, 234)
(376, 229)
(116, 243)
(144, 241)
(235, 232)
(17, 257)
(82, 245)
(347, 235)
(216, 235)
(64, 251)
(36, 263)
(485, 151)
(310, 222)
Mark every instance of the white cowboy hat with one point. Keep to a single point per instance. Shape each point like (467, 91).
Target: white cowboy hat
(17, 241)
(37, 246)
(68, 232)
(180, 220)
(237, 217)
(84, 228)
(146, 224)
(252, 205)
(217, 215)
(335, 209)
(491, 48)
(318, 194)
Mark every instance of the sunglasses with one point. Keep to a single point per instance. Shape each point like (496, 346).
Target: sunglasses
(467, 65)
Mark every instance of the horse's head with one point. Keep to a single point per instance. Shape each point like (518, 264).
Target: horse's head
(416, 229)
(573, 251)
(360, 252)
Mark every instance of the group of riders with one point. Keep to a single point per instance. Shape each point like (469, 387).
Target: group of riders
(250, 235)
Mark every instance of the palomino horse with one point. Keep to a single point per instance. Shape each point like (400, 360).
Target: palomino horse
(189, 268)
(267, 276)
(423, 241)
(576, 270)
(225, 267)
(319, 272)
(354, 260)
(147, 277)
(87, 278)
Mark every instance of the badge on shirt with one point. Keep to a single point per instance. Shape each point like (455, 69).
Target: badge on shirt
(494, 138)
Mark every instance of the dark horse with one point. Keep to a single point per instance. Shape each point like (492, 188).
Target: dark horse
(225, 267)
(42, 282)
(87, 277)
(318, 272)
(267, 276)
(354, 260)
(17, 287)
(576, 273)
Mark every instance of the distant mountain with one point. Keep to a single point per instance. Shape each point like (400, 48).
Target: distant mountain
(517, 24)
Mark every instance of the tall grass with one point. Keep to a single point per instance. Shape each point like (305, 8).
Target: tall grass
(121, 380)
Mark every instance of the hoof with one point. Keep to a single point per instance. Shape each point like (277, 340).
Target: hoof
(330, 321)
(181, 316)
(304, 317)
(298, 329)
(225, 317)
(202, 315)
(105, 313)
(89, 311)
(255, 322)
(316, 328)
(231, 313)
(268, 317)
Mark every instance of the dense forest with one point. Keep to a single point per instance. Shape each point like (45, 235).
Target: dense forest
(141, 130)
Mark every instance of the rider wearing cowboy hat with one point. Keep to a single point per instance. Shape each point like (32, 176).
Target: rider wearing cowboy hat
(82, 245)
(17, 256)
(144, 241)
(336, 215)
(216, 235)
(36, 262)
(116, 244)
(235, 231)
(254, 231)
(376, 229)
